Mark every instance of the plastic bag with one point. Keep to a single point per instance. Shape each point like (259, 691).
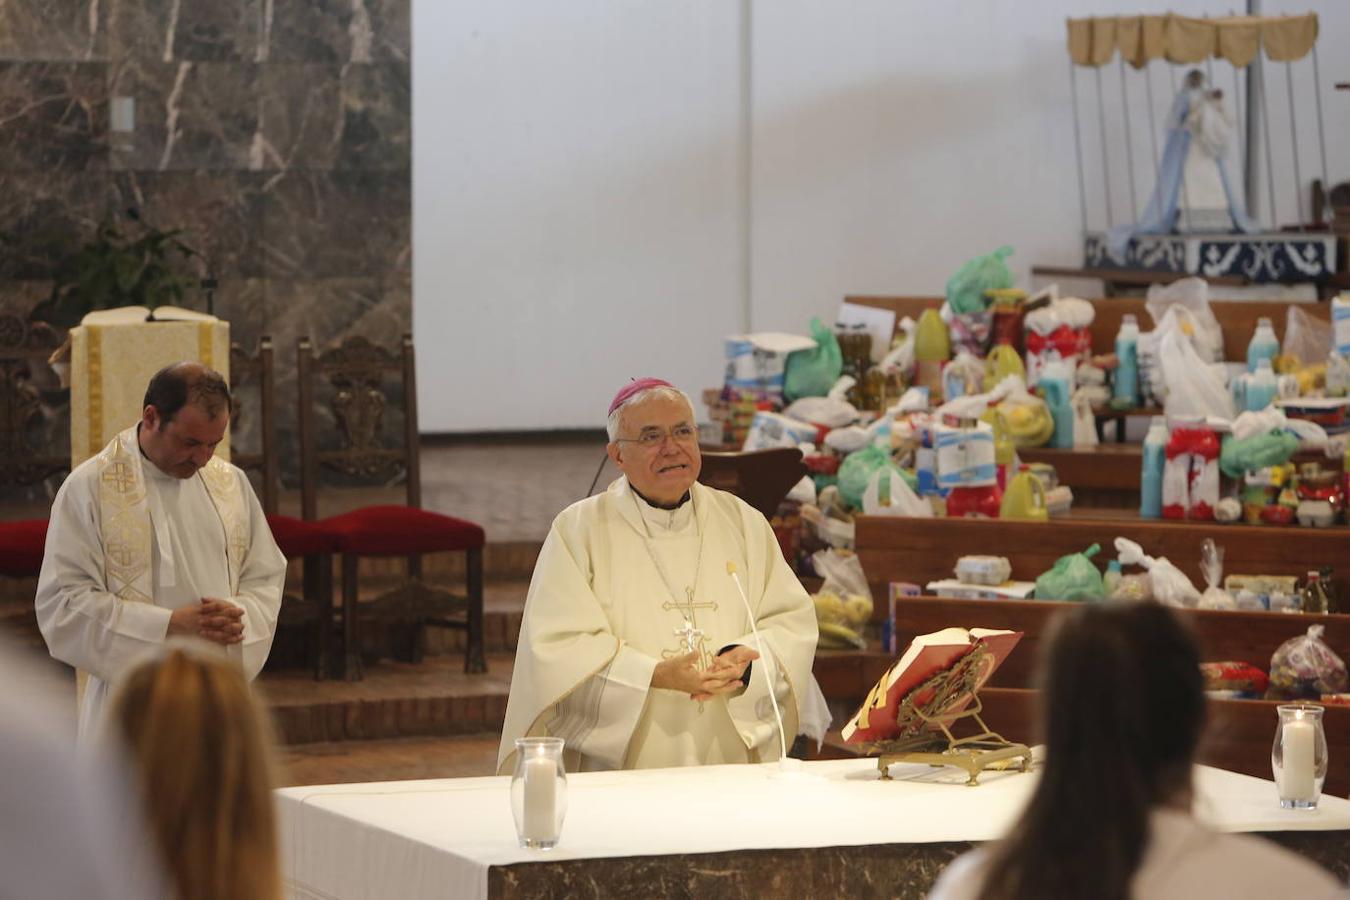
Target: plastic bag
(1072, 577)
(1211, 566)
(965, 289)
(811, 373)
(1169, 585)
(1271, 448)
(1189, 297)
(1029, 421)
(1193, 387)
(1306, 337)
(856, 470)
(1133, 587)
(823, 411)
(1305, 666)
(903, 500)
(843, 573)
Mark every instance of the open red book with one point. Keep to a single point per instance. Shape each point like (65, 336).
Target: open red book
(881, 718)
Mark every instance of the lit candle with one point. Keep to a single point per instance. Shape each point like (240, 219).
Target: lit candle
(541, 799)
(1297, 778)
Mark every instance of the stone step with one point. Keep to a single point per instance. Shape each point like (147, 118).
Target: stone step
(434, 697)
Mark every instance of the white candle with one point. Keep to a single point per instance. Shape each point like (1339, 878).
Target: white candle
(1297, 779)
(541, 799)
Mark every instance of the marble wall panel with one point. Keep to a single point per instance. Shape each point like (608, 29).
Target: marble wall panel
(333, 224)
(53, 30)
(275, 133)
(53, 115)
(302, 119)
(220, 214)
(186, 30)
(44, 217)
(188, 115)
(377, 117)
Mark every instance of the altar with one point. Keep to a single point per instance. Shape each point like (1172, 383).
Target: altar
(726, 831)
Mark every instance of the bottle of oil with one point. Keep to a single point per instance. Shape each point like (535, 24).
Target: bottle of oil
(1314, 596)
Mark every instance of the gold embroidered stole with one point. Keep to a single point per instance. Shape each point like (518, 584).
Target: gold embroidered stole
(125, 518)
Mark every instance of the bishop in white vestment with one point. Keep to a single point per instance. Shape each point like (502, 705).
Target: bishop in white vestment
(155, 536)
(636, 647)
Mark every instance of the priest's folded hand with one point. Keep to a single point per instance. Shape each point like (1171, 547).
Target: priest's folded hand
(683, 674)
(213, 620)
(732, 662)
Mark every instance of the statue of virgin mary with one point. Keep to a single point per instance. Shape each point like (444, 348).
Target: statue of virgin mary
(1196, 191)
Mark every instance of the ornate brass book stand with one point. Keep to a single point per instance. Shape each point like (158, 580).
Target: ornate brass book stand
(932, 704)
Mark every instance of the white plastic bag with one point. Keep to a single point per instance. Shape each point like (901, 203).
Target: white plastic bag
(843, 573)
(1194, 388)
(1306, 337)
(1170, 585)
(848, 440)
(904, 502)
(823, 411)
(1190, 298)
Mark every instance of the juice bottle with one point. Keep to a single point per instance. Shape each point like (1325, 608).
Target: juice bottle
(932, 349)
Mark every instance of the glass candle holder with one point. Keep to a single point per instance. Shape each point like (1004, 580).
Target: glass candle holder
(1299, 756)
(539, 791)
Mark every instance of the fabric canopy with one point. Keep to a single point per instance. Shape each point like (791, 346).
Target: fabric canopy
(1182, 39)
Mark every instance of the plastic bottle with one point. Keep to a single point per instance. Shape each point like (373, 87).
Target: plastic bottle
(1005, 451)
(1176, 480)
(1264, 344)
(1055, 386)
(932, 349)
(1111, 580)
(1314, 597)
(1263, 388)
(1125, 384)
(1203, 490)
(1151, 475)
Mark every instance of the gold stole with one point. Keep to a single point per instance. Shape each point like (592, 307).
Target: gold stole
(124, 516)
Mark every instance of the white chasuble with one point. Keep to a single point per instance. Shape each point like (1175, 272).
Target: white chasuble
(128, 544)
(621, 585)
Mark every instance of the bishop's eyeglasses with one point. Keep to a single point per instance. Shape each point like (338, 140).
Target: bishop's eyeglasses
(651, 438)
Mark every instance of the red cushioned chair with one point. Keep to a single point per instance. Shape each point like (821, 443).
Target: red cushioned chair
(24, 457)
(21, 546)
(347, 387)
(310, 542)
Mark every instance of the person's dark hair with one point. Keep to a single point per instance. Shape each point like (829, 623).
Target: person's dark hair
(177, 385)
(1122, 709)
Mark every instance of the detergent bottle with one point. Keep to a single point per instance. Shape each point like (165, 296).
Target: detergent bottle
(1151, 475)
(1264, 344)
(932, 349)
(1125, 384)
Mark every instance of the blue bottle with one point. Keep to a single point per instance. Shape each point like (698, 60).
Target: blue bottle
(1263, 387)
(1264, 344)
(1151, 474)
(1125, 384)
(1055, 385)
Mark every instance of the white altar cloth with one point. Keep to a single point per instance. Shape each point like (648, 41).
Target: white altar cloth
(437, 839)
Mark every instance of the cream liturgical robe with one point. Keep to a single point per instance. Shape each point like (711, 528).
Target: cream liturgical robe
(128, 544)
(621, 585)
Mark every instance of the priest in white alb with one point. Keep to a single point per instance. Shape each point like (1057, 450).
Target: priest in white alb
(636, 647)
(157, 537)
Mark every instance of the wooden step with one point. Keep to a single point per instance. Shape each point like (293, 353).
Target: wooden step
(434, 697)
(392, 759)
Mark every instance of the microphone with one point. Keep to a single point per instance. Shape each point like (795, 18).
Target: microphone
(785, 763)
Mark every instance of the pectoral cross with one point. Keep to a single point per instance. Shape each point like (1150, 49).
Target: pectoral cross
(694, 638)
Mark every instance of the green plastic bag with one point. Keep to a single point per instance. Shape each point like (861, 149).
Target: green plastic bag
(1072, 577)
(1274, 448)
(856, 470)
(811, 373)
(965, 289)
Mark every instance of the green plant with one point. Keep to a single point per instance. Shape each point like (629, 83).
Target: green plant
(115, 269)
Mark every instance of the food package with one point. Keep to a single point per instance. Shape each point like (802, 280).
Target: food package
(1261, 592)
(983, 569)
(1211, 566)
(1305, 666)
(1242, 677)
(769, 429)
(1168, 584)
(756, 362)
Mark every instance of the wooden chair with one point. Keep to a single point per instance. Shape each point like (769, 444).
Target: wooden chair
(24, 458)
(349, 384)
(309, 542)
(761, 478)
